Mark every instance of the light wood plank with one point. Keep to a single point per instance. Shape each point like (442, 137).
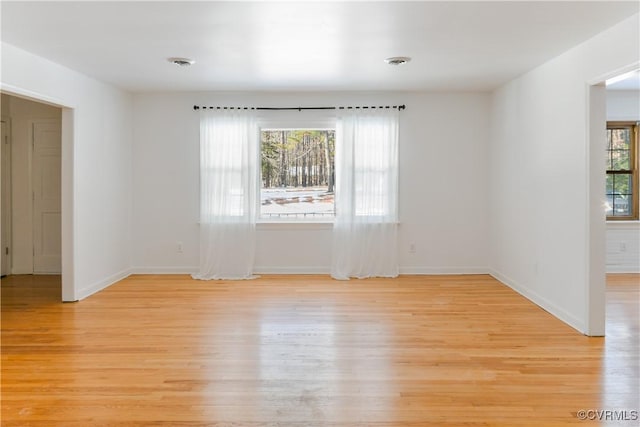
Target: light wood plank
(295, 351)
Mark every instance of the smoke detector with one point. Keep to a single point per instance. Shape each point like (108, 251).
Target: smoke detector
(182, 62)
(397, 60)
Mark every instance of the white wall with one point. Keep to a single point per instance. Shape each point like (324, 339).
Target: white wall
(623, 105)
(443, 183)
(22, 113)
(96, 162)
(623, 237)
(542, 228)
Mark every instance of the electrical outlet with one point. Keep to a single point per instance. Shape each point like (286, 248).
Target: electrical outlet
(179, 247)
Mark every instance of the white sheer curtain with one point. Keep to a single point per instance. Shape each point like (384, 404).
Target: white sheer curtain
(228, 189)
(365, 228)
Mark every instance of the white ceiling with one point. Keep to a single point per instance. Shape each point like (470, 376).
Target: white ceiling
(305, 45)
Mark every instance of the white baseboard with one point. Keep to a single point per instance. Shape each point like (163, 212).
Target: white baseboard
(164, 270)
(623, 269)
(403, 270)
(20, 270)
(257, 270)
(433, 271)
(542, 302)
(292, 270)
(317, 270)
(102, 284)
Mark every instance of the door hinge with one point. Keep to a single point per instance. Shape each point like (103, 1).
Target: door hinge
(6, 250)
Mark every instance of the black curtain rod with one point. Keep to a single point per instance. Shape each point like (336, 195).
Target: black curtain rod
(399, 107)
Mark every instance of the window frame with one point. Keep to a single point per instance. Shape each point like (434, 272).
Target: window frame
(299, 121)
(633, 171)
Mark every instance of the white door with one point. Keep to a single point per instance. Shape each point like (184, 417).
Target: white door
(5, 165)
(46, 167)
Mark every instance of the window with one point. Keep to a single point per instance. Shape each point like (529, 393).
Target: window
(297, 174)
(228, 166)
(622, 171)
(373, 168)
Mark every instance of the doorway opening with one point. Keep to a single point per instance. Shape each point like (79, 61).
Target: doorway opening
(31, 187)
(612, 97)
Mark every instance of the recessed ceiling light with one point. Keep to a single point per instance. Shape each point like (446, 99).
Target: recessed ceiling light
(397, 60)
(182, 62)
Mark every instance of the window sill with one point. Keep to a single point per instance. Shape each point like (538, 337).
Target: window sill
(625, 224)
(294, 225)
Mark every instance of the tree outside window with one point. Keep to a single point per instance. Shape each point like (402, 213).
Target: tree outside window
(297, 174)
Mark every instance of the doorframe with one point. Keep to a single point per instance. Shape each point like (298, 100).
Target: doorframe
(595, 297)
(7, 229)
(67, 205)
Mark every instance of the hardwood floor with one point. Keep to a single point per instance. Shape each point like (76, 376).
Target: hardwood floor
(293, 351)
